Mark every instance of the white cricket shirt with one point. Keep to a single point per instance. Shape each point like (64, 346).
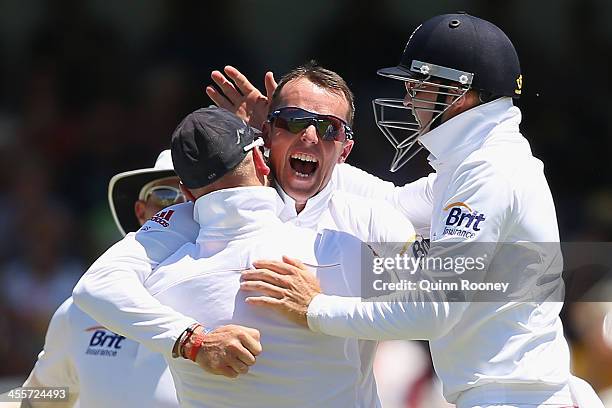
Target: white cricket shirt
(112, 291)
(104, 368)
(484, 352)
(297, 368)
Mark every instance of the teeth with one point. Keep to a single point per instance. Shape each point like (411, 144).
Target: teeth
(297, 173)
(304, 157)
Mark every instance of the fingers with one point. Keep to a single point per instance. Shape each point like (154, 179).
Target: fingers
(252, 344)
(247, 358)
(270, 84)
(226, 86)
(265, 275)
(245, 354)
(275, 266)
(264, 301)
(264, 288)
(218, 99)
(253, 333)
(242, 83)
(240, 366)
(229, 350)
(295, 262)
(226, 371)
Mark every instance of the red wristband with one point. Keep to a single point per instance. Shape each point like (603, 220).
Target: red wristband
(196, 341)
(184, 339)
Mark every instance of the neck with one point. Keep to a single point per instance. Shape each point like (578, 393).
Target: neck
(308, 212)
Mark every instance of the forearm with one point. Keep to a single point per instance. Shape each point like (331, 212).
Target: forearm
(116, 298)
(351, 317)
(113, 293)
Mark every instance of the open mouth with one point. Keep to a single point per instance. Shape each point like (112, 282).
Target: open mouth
(303, 164)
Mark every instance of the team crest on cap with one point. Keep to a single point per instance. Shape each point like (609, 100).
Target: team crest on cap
(519, 85)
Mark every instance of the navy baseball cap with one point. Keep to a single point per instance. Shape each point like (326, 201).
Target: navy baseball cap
(461, 48)
(209, 143)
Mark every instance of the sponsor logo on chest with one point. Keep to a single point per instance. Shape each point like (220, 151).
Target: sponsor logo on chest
(462, 221)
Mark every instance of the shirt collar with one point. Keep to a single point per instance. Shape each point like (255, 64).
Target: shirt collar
(311, 215)
(236, 212)
(455, 139)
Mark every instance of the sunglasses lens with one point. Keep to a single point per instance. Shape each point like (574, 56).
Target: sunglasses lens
(166, 196)
(295, 126)
(328, 130)
(296, 120)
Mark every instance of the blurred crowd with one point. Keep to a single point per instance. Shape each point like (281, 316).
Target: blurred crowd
(90, 89)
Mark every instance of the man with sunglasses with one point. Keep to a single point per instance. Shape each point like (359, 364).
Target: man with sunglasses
(237, 214)
(234, 92)
(99, 367)
(306, 177)
(491, 200)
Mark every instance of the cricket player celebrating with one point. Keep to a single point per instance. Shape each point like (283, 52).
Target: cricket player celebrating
(99, 367)
(490, 197)
(307, 135)
(237, 214)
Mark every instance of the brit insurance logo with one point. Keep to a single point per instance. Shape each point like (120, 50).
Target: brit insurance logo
(462, 221)
(103, 342)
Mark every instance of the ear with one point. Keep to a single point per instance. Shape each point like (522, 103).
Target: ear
(140, 210)
(186, 192)
(462, 100)
(260, 163)
(266, 130)
(346, 150)
(467, 101)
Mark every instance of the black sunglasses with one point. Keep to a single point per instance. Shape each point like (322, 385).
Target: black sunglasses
(296, 120)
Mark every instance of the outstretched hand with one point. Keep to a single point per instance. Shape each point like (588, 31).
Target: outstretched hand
(240, 96)
(286, 286)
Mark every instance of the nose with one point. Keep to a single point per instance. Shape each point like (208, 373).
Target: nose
(309, 135)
